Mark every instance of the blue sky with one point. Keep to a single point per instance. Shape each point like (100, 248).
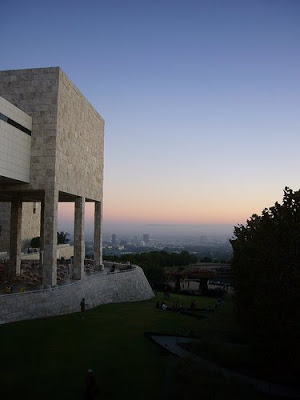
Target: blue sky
(200, 98)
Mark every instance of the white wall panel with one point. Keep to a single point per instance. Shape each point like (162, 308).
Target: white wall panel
(15, 145)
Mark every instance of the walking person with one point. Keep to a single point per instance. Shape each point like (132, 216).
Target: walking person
(82, 307)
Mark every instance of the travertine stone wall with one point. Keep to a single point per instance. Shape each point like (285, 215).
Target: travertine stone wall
(67, 145)
(97, 289)
(67, 132)
(30, 224)
(15, 145)
(63, 250)
(98, 233)
(79, 245)
(50, 237)
(5, 226)
(35, 91)
(80, 143)
(15, 234)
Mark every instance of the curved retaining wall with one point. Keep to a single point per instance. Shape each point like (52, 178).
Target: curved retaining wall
(99, 288)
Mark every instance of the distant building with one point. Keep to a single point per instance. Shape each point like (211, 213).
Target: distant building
(114, 239)
(146, 238)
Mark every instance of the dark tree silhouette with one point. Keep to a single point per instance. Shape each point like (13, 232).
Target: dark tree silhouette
(35, 242)
(153, 263)
(266, 274)
(62, 237)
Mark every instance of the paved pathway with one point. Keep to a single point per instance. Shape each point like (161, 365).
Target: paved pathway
(172, 344)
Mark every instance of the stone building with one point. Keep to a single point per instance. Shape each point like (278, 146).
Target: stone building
(51, 150)
(30, 223)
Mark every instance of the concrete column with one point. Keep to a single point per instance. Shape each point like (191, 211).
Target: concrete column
(50, 238)
(79, 247)
(42, 236)
(15, 234)
(98, 235)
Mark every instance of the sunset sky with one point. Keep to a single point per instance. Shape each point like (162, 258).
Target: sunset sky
(200, 98)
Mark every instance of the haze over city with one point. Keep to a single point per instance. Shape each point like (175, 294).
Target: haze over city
(200, 99)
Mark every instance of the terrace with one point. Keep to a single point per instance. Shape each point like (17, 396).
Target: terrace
(31, 277)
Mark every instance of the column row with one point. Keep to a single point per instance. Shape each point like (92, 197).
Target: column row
(48, 236)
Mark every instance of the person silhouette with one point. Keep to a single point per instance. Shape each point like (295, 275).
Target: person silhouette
(82, 307)
(91, 386)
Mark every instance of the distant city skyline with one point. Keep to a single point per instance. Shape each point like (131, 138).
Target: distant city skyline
(122, 229)
(201, 100)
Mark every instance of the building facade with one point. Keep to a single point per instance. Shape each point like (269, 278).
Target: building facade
(51, 150)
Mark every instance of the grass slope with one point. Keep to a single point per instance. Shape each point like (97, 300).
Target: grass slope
(48, 358)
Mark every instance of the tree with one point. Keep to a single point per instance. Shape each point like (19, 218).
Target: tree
(62, 237)
(266, 268)
(156, 276)
(35, 242)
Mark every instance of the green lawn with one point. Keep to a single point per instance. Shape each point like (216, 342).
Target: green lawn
(48, 358)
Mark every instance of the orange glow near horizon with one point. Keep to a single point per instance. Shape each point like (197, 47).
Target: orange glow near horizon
(66, 212)
(215, 211)
(184, 209)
